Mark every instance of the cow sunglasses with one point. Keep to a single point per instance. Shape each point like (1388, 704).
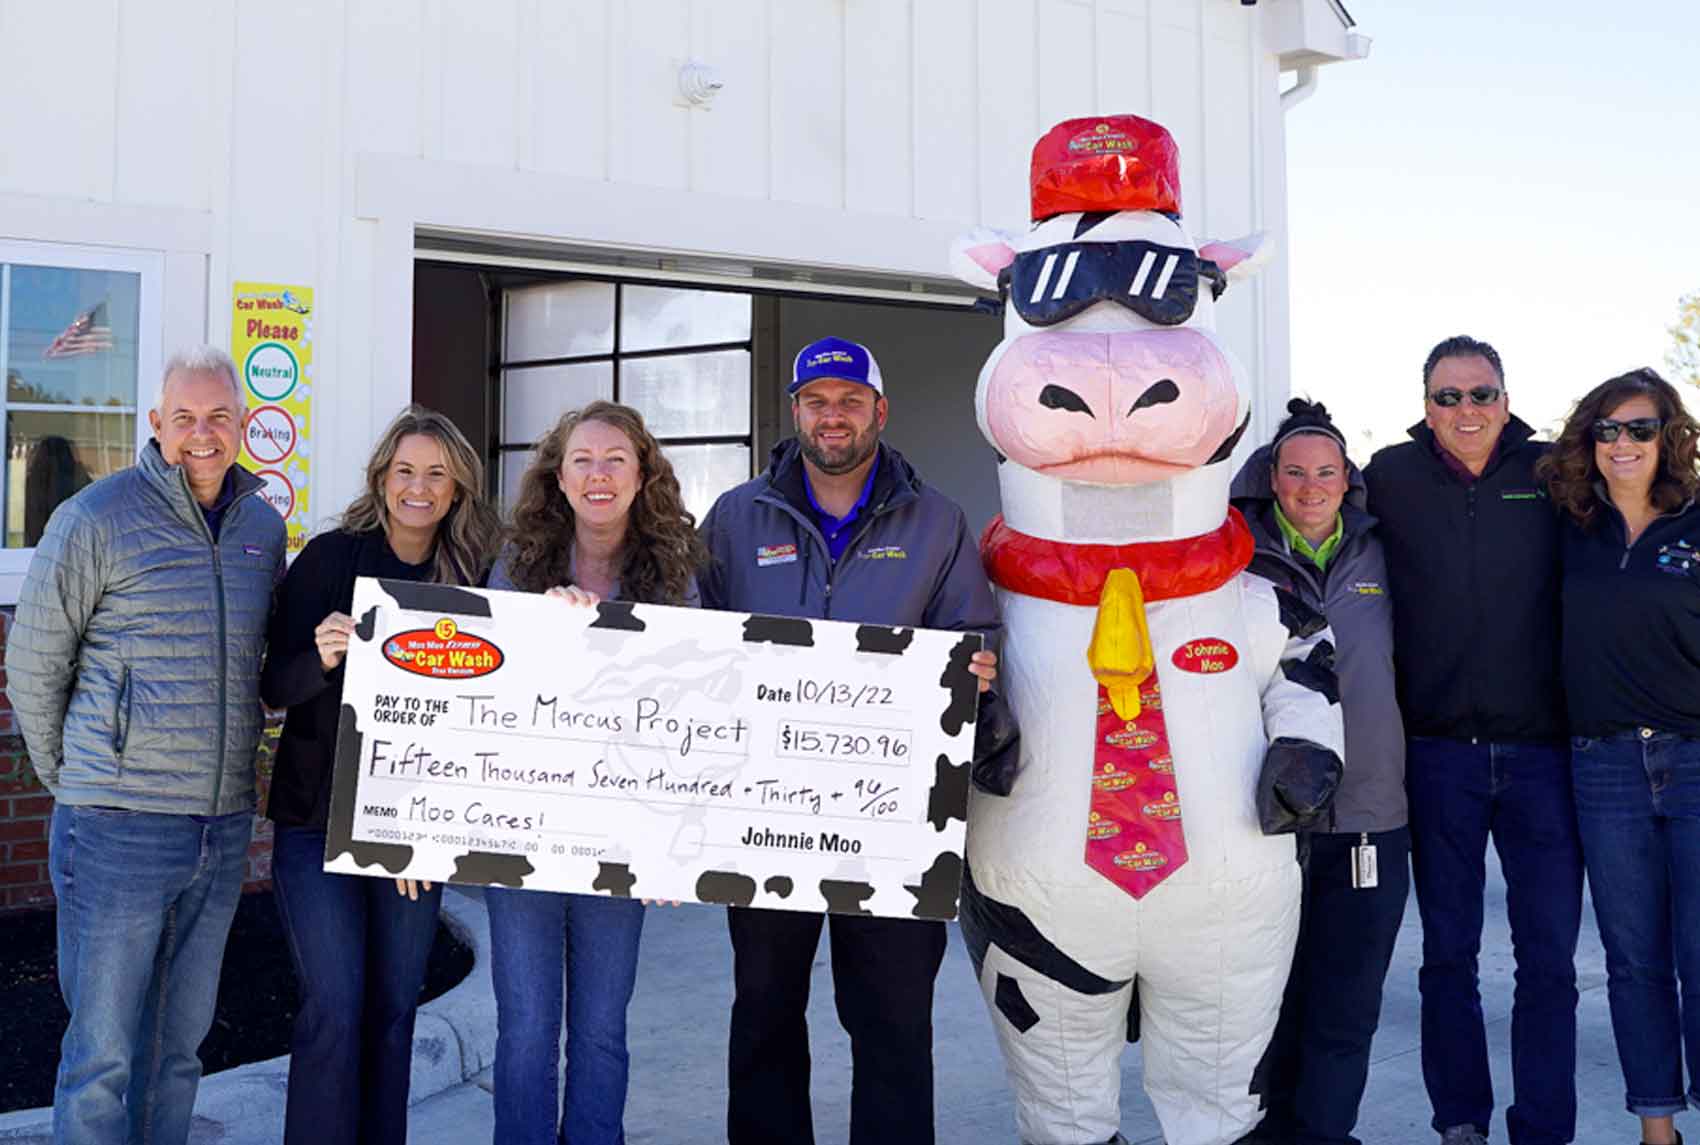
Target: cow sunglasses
(1479, 395)
(1642, 429)
(1158, 283)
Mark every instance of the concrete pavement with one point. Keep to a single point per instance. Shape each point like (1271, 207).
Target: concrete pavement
(678, 1039)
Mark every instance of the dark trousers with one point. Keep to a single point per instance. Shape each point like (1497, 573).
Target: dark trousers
(1318, 1061)
(1519, 795)
(882, 972)
(360, 952)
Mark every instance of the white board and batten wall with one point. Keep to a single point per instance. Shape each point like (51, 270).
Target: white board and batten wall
(311, 142)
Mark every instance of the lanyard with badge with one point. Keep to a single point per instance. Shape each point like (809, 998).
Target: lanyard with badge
(1365, 875)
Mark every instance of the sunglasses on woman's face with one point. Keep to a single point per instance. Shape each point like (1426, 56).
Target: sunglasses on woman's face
(1451, 396)
(1642, 429)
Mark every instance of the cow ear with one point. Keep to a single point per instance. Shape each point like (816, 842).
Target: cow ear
(979, 256)
(1242, 257)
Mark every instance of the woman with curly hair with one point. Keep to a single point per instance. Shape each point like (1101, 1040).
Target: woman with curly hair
(1624, 473)
(599, 516)
(359, 947)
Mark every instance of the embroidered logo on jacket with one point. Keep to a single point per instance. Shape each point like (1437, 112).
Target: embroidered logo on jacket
(1678, 559)
(775, 555)
(1368, 588)
(885, 553)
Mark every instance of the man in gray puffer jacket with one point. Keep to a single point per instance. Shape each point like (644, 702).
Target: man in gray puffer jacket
(134, 665)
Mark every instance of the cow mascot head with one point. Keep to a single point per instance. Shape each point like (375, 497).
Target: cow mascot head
(1176, 714)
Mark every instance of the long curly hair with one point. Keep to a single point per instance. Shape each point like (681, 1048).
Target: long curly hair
(468, 535)
(1569, 470)
(662, 550)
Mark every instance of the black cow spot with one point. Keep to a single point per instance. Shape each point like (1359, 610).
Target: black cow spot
(339, 830)
(778, 885)
(1013, 1004)
(617, 614)
(779, 630)
(368, 624)
(949, 797)
(873, 638)
(936, 896)
(423, 596)
(1226, 449)
(615, 878)
(1315, 672)
(963, 685)
(1299, 619)
(728, 888)
(844, 896)
(989, 921)
(1090, 219)
(492, 870)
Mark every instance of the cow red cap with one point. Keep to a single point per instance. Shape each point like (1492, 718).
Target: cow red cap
(1105, 163)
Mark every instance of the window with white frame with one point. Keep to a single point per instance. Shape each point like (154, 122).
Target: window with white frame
(681, 357)
(79, 331)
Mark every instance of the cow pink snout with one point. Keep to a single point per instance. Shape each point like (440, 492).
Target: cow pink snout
(1113, 409)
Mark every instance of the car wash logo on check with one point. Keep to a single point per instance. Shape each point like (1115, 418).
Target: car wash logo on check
(775, 555)
(443, 652)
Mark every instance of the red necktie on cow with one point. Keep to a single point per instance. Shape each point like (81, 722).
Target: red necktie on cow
(1134, 836)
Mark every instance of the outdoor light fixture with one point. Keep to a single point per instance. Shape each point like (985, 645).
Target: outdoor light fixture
(698, 84)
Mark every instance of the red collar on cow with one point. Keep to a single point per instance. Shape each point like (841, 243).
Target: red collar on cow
(1074, 574)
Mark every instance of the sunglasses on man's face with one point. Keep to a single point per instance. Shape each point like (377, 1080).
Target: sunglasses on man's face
(1642, 429)
(1479, 395)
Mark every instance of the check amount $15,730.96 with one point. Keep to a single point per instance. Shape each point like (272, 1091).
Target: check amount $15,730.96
(800, 740)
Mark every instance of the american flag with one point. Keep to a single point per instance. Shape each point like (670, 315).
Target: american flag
(88, 333)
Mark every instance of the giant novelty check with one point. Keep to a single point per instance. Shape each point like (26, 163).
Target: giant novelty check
(509, 739)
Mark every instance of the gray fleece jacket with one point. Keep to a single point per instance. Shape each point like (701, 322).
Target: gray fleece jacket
(1352, 594)
(133, 664)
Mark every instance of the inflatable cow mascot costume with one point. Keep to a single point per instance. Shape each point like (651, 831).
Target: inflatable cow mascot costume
(1173, 708)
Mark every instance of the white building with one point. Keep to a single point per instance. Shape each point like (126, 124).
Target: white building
(467, 186)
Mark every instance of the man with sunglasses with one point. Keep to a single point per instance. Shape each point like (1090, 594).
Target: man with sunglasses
(1472, 561)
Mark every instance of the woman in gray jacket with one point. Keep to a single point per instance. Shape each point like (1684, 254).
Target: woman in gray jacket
(1304, 502)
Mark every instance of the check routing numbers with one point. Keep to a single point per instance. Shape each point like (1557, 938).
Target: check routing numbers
(509, 739)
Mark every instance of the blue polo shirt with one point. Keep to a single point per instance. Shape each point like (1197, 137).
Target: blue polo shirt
(836, 530)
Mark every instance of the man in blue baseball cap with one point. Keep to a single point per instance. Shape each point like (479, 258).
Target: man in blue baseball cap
(840, 527)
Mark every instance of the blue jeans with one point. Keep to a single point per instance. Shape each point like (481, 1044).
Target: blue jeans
(1638, 799)
(145, 903)
(360, 951)
(1519, 794)
(534, 936)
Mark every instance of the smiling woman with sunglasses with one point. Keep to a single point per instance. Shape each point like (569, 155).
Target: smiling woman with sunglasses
(1624, 472)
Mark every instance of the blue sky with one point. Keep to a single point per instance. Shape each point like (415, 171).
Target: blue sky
(1528, 173)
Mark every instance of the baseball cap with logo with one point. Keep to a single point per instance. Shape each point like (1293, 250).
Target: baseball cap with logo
(835, 358)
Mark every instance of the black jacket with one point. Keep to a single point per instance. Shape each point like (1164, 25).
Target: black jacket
(1632, 624)
(321, 581)
(1474, 574)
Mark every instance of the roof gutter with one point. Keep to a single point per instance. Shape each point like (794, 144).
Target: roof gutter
(1308, 77)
